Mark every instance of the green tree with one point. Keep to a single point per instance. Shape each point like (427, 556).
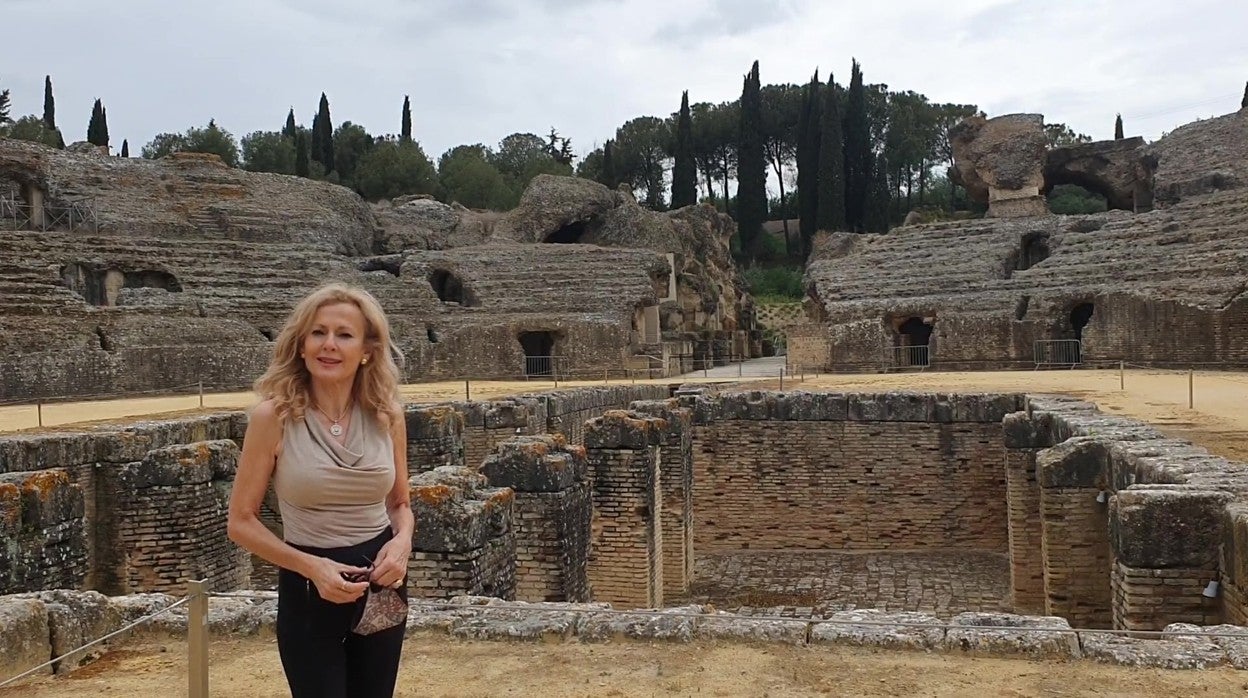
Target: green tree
(1244, 103)
(640, 156)
(290, 128)
(830, 181)
(125, 148)
(781, 114)
(323, 136)
(857, 152)
(268, 151)
(4, 108)
(807, 156)
(1062, 135)
(684, 170)
(522, 156)
(49, 104)
(393, 168)
(467, 176)
(1118, 128)
(351, 143)
(609, 178)
(947, 116)
(163, 144)
(303, 168)
(715, 131)
(406, 126)
(32, 128)
(751, 166)
(97, 127)
(879, 197)
(209, 139)
(590, 166)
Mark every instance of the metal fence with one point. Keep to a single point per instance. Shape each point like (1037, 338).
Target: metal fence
(917, 356)
(16, 214)
(1066, 353)
(544, 366)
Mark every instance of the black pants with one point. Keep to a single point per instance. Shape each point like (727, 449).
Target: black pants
(320, 654)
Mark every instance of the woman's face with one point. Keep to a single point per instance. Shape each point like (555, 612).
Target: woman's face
(334, 346)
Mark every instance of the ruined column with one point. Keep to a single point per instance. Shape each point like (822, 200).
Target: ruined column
(487, 424)
(676, 489)
(1023, 439)
(625, 566)
(1166, 541)
(435, 437)
(551, 515)
(1075, 545)
(464, 541)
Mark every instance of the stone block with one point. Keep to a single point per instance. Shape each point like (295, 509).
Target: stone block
(1159, 526)
(433, 422)
(176, 466)
(74, 619)
(727, 626)
(22, 453)
(1078, 462)
(523, 623)
(533, 464)
(671, 624)
(982, 407)
(1231, 638)
(26, 638)
(876, 628)
(1167, 653)
(46, 498)
(892, 407)
(1006, 633)
(620, 429)
(1026, 431)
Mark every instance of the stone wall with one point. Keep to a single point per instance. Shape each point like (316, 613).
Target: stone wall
(626, 558)
(552, 513)
(676, 489)
(43, 530)
(777, 471)
(465, 541)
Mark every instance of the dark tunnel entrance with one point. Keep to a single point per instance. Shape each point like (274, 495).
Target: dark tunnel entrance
(569, 234)
(539, 353)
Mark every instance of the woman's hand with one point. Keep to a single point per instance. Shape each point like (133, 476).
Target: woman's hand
(390, 565)
(331, 582)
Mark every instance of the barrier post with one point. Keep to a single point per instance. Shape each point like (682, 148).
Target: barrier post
(197, 638)
(1122, 378)
(740, 366)
(467, 391)
(1191, 392)
(782, 380)
(201, 395)
(39, 409)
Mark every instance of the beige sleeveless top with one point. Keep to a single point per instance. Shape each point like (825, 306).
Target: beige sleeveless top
(329, 494)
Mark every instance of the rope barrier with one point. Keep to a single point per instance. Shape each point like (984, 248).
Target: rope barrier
(658, 613)
(96, 641)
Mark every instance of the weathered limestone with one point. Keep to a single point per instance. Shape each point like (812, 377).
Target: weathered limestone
(435, 438)
(1202, 157)
(626, 559)
(24, 635)
(1114, 169)
(1001, 161)
(466, 541)
(551, 515)
(43, 531)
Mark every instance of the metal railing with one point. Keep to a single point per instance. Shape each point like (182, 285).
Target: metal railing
(544, 366)
(918, 356)
(16, 214)
(1058, 353)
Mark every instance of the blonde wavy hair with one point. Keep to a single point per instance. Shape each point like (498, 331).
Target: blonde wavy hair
(376, 387)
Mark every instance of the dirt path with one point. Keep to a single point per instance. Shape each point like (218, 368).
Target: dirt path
(438, 666)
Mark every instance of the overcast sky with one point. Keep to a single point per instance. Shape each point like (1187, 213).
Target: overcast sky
(478, 70)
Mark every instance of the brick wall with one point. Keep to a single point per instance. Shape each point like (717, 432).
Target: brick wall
(551, 515)
(824, 471)
(625, 564)
(676, 489)
(435, 437)
(1026, 538)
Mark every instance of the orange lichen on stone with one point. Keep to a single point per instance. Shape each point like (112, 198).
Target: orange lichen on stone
(44, 482)
(561, 440)
(433, 495)
(576, 451)
(536, 449)
(503, 497)
(10, 504)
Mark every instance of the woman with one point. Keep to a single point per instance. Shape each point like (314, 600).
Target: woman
(331, 437)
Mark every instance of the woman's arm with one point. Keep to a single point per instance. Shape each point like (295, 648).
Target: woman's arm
(391, 563)
(251, 481)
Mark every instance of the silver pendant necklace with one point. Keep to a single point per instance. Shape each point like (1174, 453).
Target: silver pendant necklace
(335, 428)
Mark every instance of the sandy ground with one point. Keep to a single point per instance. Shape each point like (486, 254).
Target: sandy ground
(1218, 421)
(438, 666)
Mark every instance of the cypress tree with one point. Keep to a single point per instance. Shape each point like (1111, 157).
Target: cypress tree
(857, 152)
(406, 136)
(289, 129)
(4, 107)
(684, 172)
(751, 166)
(326, 154)
(97, 128)
(808, 138)
(1118, 128)
(302, 166)
(49, 104)
(315, 153)
(1244, 103)
(830, 180)
(125, 148)
(879, 198)
(608, 166)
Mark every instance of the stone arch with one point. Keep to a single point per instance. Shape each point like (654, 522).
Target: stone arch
(450, 288)
(570, 234)
(1080, 316)
(913, 334)
(540, 349)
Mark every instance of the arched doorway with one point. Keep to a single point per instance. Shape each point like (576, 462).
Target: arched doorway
(450, 289)
(569, 234)
(539, 352)
(913, 342)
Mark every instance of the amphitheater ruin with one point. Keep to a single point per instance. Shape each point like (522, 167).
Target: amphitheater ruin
(979, 522)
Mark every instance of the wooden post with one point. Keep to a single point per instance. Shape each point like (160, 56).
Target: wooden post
(1122, 379)
(782, 380)
(1191, 390)
(197, 638)
(201, 395)
(467, 391)
(39, 409)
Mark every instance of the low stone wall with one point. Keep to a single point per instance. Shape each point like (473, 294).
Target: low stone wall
(43, 531)
(783, 471)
